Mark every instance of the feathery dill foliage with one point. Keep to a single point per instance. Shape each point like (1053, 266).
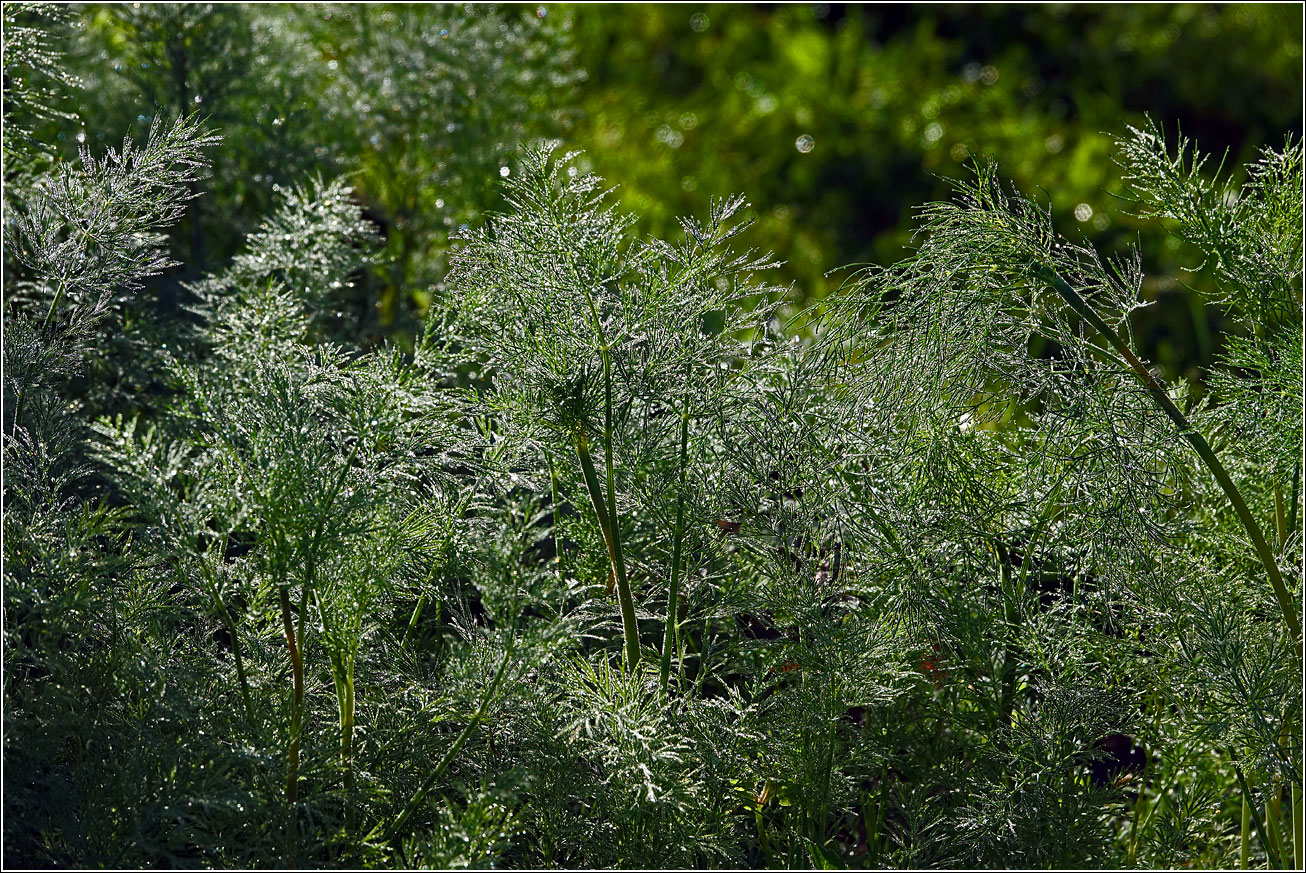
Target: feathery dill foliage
(1001, 331)
(615, 568)
(36, 80)
(420, 104)
(446, 97)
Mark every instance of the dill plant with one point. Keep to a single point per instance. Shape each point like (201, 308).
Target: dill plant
(419, 104)
(583, 328)
(1097, 442)
(81, 240)
(616, 568)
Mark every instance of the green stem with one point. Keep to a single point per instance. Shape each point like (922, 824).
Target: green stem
(229, 622)
(1296, 497)
(1296, 827)
(613, 530)
(54, 303)
(677, 542)
(296, 720)
(1007, 696)
(241, 676)
(419, 796)
(629, 625)
(45, 324)
(1139, 803)
(412, 621)
(1273, 811)
(628, 621)
(347, 747)
(1244, 840)
(342, 670)
(1198, 442)
(1280, 516)
(877, 820)
(556, 510)
(1250, 807)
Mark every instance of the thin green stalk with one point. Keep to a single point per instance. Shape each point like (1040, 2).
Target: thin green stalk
(1007, 695)
(241, 675)
(1280, 516)
(49, 314)
(1296, 827)
(1139, 803)
(1273, 814)
(629, 625)
(1198, 442)
(295, 641)
(763, 842)
(1244, 840)
(556, 509)
(610, 468)
(347, 748)
(1296, 497)
(1271, 852)
(58, 295)
(704, 650)
(296, 719)
(392, 833)
(873, 838)
(229, 622)
(301, 627)
(342, 674)
(677, 542)
(412, 621)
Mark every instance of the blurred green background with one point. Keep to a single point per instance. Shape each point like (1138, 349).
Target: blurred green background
(837, 121)
(834, 121)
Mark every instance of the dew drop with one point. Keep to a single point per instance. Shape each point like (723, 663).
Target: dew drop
(804, 144)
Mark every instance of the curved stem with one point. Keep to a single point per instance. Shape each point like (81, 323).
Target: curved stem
(629, 625)
(241, 676)
(612, 530)
(392, 833)
(1198, 442)
(614, 525)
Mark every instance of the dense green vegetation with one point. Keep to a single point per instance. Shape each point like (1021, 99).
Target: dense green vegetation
(388, 484)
